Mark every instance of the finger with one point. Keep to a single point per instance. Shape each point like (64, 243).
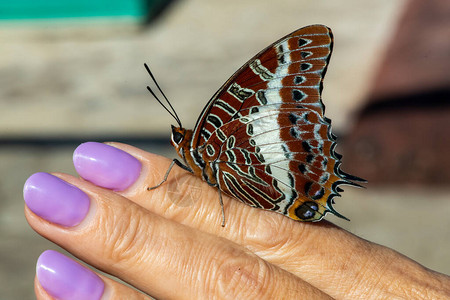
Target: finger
(59, 277)
(320, 253)
(183, 198)
(156, 255)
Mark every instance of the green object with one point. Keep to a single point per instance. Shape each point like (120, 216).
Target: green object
(43, 9)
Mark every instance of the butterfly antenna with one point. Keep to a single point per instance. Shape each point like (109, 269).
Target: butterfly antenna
(157, 99)
(173, 113)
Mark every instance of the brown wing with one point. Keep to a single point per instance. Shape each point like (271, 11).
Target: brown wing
(265, 133)
(294, 64)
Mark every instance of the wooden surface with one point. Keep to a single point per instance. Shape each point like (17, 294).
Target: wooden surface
(86, 78)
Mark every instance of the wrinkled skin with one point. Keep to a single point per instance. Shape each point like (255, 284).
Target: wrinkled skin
(171, 245)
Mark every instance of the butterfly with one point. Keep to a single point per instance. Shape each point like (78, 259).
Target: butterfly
(263, 137)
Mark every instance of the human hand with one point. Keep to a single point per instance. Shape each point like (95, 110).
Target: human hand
(169, 242)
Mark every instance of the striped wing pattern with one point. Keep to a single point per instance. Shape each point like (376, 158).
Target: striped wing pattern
(264, 133)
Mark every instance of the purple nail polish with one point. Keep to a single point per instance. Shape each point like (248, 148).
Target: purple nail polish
(106, 166)
(65, 279)
(55, 200)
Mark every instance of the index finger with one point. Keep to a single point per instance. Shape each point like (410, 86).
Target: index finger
(326, 256)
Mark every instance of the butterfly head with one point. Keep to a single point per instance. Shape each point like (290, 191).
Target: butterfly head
(180, 138)
(178, 135)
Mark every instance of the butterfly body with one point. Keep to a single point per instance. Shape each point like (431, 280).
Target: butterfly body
(181, 139)
(263, 137)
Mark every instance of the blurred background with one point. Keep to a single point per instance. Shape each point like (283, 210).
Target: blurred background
(72, 71)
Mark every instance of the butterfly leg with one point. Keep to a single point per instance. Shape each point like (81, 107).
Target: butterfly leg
(174, 162)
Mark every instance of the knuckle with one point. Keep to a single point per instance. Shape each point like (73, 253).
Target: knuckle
(268, 234)
(243, 278)
(121, 234)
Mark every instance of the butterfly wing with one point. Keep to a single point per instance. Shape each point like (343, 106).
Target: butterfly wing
(264, 132)
(297, 60)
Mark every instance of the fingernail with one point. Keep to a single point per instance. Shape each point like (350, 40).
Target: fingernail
(65, 279)
(55, 200)
(106, 166)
